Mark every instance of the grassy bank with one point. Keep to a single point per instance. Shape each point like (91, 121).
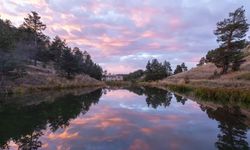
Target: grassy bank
(40, 82)
(29, 89)
(225, 93)
(221, 95)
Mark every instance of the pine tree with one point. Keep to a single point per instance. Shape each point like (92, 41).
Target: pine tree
(56, 48)
(34, 24)
(156, 70)
(67, 64)
(202, 61)
(231, 34)
(168, 68)
(7, 38)
(184, 67)
(178, 69)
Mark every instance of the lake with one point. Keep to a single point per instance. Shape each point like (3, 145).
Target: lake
(120, 119)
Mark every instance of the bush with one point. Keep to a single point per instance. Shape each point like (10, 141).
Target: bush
(245, 76)
(186, 80)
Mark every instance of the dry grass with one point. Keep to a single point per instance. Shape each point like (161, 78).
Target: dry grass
(40, 79)
(204, 76)
(202, 72)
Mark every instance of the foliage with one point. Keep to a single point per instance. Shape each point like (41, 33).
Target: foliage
(20, 46)
(184, 67)
(9, 64)
(245, 76)
(156, 70)
(202, 61)
(56, 48)
(67, 63)
(230, 34)
(7, 36)
(215, 94)
(34, 25)
(178, 69)
(157, 97)
(186, 80)
(134, 75)
(154, 97)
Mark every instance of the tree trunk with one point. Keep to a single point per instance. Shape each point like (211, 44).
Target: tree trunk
(68, 75)
(224, 69)
(35, 62)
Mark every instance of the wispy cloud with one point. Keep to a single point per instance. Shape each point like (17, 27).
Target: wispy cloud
(117, 32)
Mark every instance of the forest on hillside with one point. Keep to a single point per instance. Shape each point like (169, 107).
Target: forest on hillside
(28, 45)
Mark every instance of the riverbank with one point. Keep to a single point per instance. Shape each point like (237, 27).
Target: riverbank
(39, 79)
(223, 92)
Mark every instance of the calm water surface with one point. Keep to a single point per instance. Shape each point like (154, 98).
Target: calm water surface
(133, 119)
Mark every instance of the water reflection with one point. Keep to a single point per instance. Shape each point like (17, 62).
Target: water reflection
(233, 130)
(154, 97)
(180, 99)
(232, 123)
(144, 118)
(25, 125)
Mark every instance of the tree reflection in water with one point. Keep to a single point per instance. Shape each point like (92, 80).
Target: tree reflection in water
(158, 97)
(154, 97)
(233, 130)
(24, 125)
(180, 99)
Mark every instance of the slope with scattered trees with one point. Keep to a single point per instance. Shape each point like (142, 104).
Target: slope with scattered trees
(225, 66)
(26, 47)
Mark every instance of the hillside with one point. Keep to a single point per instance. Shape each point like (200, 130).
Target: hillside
(206, 72)
(39, 78)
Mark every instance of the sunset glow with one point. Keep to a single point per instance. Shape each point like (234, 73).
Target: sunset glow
(109, 30)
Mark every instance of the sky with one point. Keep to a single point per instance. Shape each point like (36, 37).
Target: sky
(122, 35)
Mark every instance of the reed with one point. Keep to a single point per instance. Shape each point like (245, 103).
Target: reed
(222, 95)
(29, 89)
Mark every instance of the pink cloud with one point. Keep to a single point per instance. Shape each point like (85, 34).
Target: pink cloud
(120, 94)
(65, 135)
(120, 28)
(139, 144)
(119, 68)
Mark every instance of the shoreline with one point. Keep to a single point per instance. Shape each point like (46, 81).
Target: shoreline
(33, 89)
(229, 94)
(225, 90)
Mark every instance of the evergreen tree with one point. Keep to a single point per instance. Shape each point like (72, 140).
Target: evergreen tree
(178, 69)
(67, 64)
(10, 63)
(156, 70)
(168, 68)
(34, 25)
(56, 48)
(7, 36)
(231, 34)
(43, 53)
(79, 58)
(17, 45)
(134, 75)
(202, 61)
(184, 67)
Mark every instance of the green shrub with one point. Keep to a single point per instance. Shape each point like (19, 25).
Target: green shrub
(245, 76)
